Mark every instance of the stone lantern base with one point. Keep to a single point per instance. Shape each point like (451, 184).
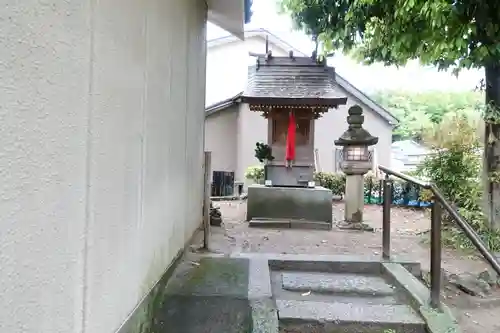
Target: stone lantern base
(354, 195)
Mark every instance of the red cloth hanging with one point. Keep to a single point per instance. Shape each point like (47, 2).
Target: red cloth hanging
(290, 138)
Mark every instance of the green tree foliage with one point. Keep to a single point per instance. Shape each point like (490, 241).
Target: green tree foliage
(419, 111)
(448, 34)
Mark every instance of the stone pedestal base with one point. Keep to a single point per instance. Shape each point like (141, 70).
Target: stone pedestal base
(360, 226)
(354, 198)
(289, 204)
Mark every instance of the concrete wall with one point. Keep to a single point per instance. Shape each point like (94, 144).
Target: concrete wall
(221, 138)
(252, 128)
(100, 154)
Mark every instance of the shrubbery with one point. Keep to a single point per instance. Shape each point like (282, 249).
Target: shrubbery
(456, 169)
(332, 181)
(255, 173)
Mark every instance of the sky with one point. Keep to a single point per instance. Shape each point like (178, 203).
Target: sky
(413, 77)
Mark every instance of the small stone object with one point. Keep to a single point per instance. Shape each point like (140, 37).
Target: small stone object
(470, 284)
(360, 226)
(489, 278)
(215, 216)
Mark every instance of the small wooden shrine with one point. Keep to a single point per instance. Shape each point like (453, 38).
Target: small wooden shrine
(291, 92)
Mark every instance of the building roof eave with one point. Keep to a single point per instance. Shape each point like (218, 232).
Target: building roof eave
(224, 104)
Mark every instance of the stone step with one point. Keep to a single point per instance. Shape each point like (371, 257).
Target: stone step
(322, 317)
(332, 283)
(288, 224)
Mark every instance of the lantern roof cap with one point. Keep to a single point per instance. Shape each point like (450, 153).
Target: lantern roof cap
(356, 135)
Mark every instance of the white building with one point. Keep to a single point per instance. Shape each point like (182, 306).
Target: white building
(101, 152)
(408, 155)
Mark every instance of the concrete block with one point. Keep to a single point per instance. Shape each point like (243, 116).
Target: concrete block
(308, 204)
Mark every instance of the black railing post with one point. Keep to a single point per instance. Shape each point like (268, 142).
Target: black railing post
(435, 253)
(386, 219)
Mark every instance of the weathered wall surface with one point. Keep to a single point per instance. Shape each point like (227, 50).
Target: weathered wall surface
(221, 138)
(252, 128)
(101, 156)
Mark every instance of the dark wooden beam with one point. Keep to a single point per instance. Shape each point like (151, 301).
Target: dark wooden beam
(298, 102)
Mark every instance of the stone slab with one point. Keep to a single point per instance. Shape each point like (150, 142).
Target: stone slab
(289, 223)
(337, 283)
(313, 225)
(340, 263)
(387, 316)
(311, 204)
(349, 328)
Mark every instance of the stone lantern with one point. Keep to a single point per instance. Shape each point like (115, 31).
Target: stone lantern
(355, 164)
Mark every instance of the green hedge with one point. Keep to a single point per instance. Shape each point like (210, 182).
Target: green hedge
(403, 193)
(336, 182)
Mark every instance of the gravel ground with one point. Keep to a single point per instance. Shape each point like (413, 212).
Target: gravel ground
(408, 226)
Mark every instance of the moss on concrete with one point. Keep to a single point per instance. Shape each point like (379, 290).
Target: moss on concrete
(439, 321)
(214, 292)
(143, 319)
(213, 276)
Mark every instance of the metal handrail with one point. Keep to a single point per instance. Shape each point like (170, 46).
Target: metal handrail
(402, 176)
(467, 229)
(439, 202)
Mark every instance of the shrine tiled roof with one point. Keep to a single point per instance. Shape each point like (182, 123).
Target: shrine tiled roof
(292, 81)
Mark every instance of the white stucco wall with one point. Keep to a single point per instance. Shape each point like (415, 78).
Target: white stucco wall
(221, 139)
(101, 156)
(227, 66)
(252, 128)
